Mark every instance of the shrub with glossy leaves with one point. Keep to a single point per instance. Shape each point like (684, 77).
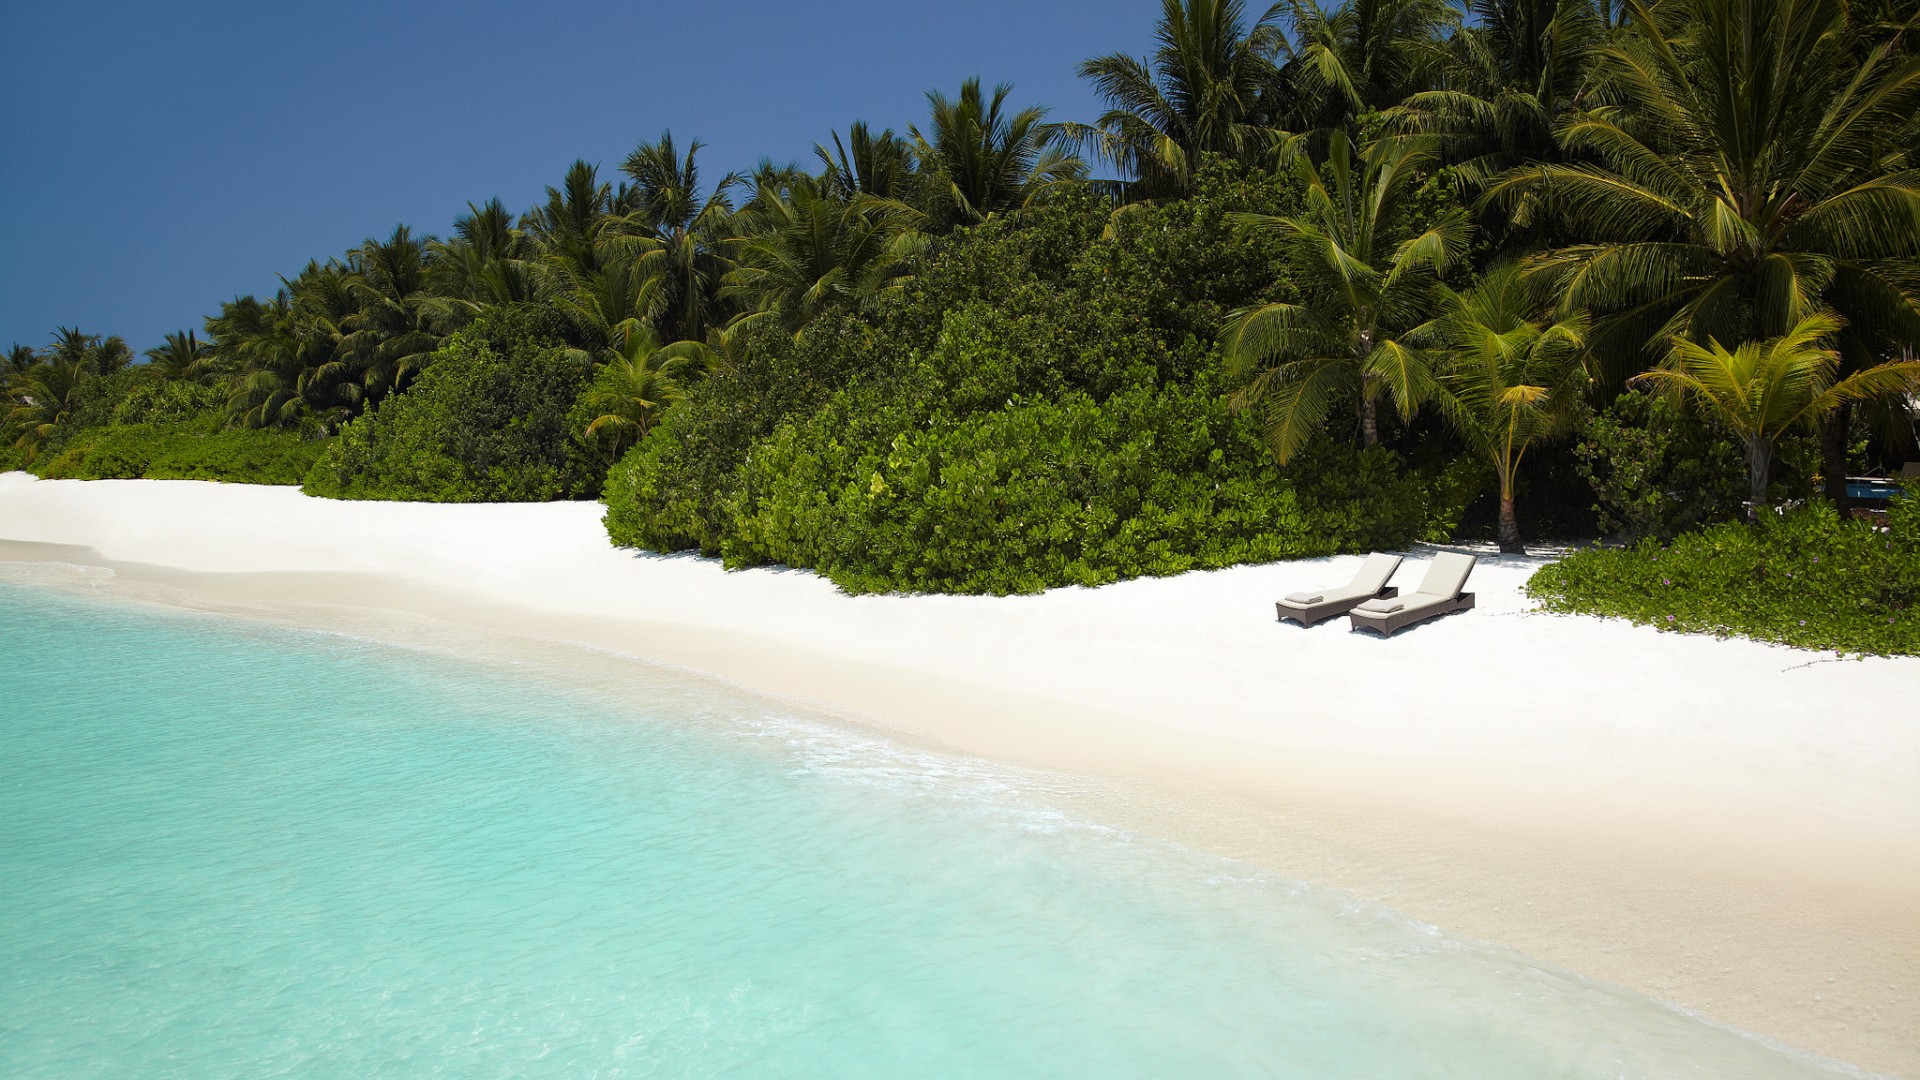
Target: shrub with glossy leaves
(486, 422)
(1808, 578)
(184, 452)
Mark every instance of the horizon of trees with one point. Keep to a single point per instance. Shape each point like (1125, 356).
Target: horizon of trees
(1655, 182)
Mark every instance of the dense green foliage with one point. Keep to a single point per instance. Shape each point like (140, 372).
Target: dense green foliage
(487, 421)
(135, 452)
(1658, 470)
(1809, 578)
(1036, 410)
(950, 360)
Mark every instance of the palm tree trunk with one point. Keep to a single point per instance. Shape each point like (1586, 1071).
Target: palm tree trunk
(1833, 453)
(1510, 529)
(1759, 470)
(1369, 422)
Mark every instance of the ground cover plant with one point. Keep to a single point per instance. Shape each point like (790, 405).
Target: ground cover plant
(1808, 578)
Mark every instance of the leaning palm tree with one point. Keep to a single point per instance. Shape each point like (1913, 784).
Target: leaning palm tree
(1507, 383)
(1207, 89)
(1365, 266)
(1764, 389)
(640, 380)
(977, 159)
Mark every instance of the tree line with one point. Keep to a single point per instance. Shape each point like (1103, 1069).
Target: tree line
(1505, 213)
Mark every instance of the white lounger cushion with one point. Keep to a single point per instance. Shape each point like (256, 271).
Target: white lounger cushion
(1371, 578)
(1381, 607)
(1373, 574)
(1447, 575)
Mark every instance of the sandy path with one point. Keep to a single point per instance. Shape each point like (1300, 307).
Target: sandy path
(1729, 826)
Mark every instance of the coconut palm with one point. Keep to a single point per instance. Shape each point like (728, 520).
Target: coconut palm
(1365, 266)
(1514, 71)
(679, 234)
(1207, 88)
(1506, 383)
(1763, 389)
(806, 251)
(485, 261)
(288, 351)
(95, 355)
(640, 380)
(184, 356)
(876, 166)
(397, 322)
(568, 227)
(1363, 56)
(976, 159)
(42, 397)
(1748, 175)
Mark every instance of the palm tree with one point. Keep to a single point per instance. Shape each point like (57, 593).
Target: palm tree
(1747, 175)
(1763, 389)
(641, 379)
(568, 228)
(95, 354)
(1365, 56)
(287, 351)
(681, 235)
(806, 251)
(486, 260)
(42, 398)
(397, 323)
(875, 166)
(184, 356)
(1207, 89)
(1514, 71)
(1365, 266)
(977, 160)
(1506, 382)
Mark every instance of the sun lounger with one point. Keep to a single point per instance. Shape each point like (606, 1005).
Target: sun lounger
(1307, 608)
(1438, 594)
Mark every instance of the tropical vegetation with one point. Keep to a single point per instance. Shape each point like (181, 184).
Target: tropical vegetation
(1319, 276)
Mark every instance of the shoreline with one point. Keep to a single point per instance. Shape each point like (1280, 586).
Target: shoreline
(1721, 825)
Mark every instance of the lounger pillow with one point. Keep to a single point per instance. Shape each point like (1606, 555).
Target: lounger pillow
(1381, 607)
(1302, 599)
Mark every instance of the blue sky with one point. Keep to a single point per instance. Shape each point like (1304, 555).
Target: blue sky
(156, 159)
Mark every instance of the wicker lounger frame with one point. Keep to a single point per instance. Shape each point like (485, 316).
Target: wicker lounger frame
(1388, 624)
(1307, 616)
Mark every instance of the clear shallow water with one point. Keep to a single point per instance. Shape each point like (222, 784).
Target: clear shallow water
(233, 850)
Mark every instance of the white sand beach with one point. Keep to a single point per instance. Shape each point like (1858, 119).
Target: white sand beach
(1728, 826)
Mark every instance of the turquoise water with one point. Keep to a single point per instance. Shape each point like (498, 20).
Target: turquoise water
(237, 850)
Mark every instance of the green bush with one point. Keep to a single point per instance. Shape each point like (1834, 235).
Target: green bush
(184, 452)
(1809, 578)
(884, 497)
(1658, 471)
(486, 422)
